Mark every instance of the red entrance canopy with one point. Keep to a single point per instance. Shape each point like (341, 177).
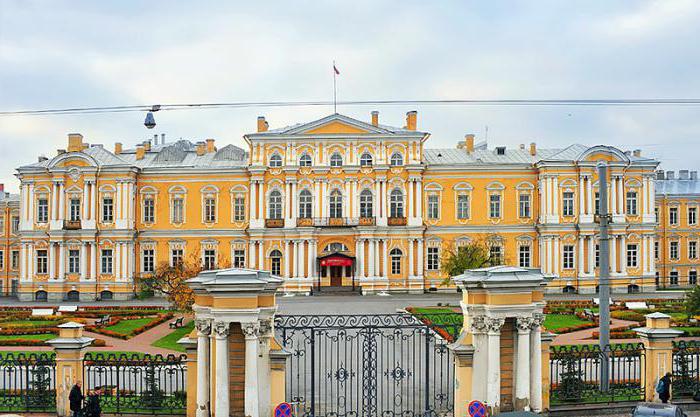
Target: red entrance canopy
(336, 261)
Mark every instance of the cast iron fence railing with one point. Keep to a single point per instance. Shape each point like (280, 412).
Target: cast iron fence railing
(686, 368)
(138, 384)
(27, 382)
(374, 365)
(575, 374)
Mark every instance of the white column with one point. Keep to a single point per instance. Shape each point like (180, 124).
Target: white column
(613, 254)
(645, 257)
(118, 205)
(296, 259)
(263, 377)
(251, 255)
(324, 199)
(84, 202)
(548, 197)
(346, 199)
(620, 195)
(61, 261)
(542, 248)
(581, 257)
(203, 329)
(555, 197)
(371, 273)
(23, 204)
(623, 255)
(93, 201)
(31, 264)
(493, 380)
(652, 260)
(421, 259)
(221, 330)
(581, 196)
(548, 255)
(410, 206)
(541, 192)
(30, 206)
(287, 204)
(295, 204)
(314, 255)
(83, 261)
(250, 331)
(355, 199)
(309, 259)
(116, 261)
(522, 373)
(385, 258)
(261, 254)
(557, 256)
(411, 269)
(382, 190)
(317, 199)
(377, 202)
(589, 190)
(93, 260)
(62, 201)
(419, 200)
(286, 259)
(536, 365)
(358, 259)
(591, 256)
(23, 269)
(613, 196)
(132, 204)
(253, 201)
(360, 256)
(261, 199)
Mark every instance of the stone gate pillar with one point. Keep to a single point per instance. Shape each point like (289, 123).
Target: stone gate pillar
(234, 311)
(657, 337)
(70, 348)
(501, 339)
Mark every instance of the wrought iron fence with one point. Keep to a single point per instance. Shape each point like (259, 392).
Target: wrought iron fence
(388, 365)
(575, 374)
(686, 368)
(28, 382)
(138, 384)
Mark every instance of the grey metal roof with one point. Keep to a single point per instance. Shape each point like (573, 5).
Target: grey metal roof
(677, 187)
(489, 156)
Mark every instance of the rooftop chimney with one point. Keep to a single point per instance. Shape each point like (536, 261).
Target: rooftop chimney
(75, 142)
(683, 174)
(140, 152)
(201, 148)
(694, 175)
(210, 146)
(533, 149)
(375, 118)
(262, 124)
(670, 175)
(411, 120)
(162, 138)
(147, 145)
(522, 146)
(469, 139)
(155, 139)
(500, 150)
(660, 174)
(117, 148)
(637, 153)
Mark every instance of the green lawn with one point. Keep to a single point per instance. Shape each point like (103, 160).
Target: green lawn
(170, 341)
(553, 322)
(29, 323)
(46, 336)
(127, 327)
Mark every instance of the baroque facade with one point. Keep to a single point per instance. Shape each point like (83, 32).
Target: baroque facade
(336, 202)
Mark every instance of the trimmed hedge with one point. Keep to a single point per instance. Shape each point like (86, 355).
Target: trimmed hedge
(161, 318)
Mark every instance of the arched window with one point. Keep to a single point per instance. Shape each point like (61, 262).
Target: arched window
(366, 160)
(305, 204)
(335, 247)
(336, 160)
(41, 295)
(305, 160)
(336, 204)
(395, 255)
(366, 209)
(275, 160)
(106, 295)
(276, 262)
(275, 205)
(396, 206)
(396, 159)
(73, 295)
(569, 290)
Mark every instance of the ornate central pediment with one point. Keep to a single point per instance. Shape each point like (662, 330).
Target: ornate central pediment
(336, 124)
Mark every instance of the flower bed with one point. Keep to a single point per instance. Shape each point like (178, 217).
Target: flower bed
(159, 319)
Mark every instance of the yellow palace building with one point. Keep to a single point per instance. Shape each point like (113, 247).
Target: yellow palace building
(333, 203)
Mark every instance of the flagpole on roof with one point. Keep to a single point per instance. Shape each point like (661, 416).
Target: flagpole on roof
(335, 94)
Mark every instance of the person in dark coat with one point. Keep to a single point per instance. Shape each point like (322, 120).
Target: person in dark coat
(664, 388)
(92, 407)
(76, 398)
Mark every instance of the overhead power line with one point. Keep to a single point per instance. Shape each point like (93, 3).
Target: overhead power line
(455, 102)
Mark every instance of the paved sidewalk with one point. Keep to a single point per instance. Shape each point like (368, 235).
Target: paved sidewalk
(583, 337)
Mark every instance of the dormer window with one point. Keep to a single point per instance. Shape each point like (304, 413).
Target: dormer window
(275, 161)
(305, 160)
(336, 160)
(500, 150)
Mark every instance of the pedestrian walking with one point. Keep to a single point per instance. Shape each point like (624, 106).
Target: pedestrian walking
(92, 407)
(75, 398)
(663, 388)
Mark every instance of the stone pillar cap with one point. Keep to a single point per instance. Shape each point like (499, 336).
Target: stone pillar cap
(70, 325)
(657, 315)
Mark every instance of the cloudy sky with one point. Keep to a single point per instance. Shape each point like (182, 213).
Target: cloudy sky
(58, 54)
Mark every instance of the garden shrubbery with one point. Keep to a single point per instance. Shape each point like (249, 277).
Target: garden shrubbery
(161, 318)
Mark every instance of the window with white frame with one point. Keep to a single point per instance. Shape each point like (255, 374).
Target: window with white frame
(275, 160)
(276, 262)
(106, 261)
(336, 204)
(692, 249)
(209, 209)
(496, 254)
(433, 206)
(673, 216)
(239, 208)
(73, 261)
(631, 203)
(74, 209)
(524, 205)
(656, 250)
(692, 216)
(305, 204)
(149, 260)
(568, 257)
(656, 214)
(396, 159)
(395, 255)
(107, 209)
(42, 261)
(567, 203)
(632, 255)
(305, 160)
(692, 277)
(336, 160)
(178, 211)
(149, 210)
(366, 209)
(673, 250)
(366, 160)
(433, 258)
(463, 206)
(176, 256)
(239, 258)
(597, 256)
(494, 206)
(15, 224)
(524, 256)
(209, 259)
(396, 203)
(42, 210)
(673, 278)
(274, 209)
(14, 262)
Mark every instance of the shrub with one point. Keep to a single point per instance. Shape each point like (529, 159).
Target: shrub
(628, 315)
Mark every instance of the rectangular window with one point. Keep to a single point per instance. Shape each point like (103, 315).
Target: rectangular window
(597, 203)
(631, 256)
(106, 261)
(209, 259)
(462, 206)
(433, 261)
(674, 278)
(496, 255)
(524, 256)
(148, 260)
(597, 256)
(396, 265)
(692, 249)
(693, 277)
(149, 210)
(524, 205)
(176, 256)
(568, 203)
(209, 210)
(656, 250)
(239, 258)
(73, 261)
(74, 209)
(673, 216)
(178, 210)
(631, 203)
(107, 210)
(673, 250)
(42, 210)
(433, 207)
(42, 261)
(656, 214)
(15, 259)
(692, 216)
(495, 206)
(2, 259)
(568, 258)
(239, 209)
(15, 224)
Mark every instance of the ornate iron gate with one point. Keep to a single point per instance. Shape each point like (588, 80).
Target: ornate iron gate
(370, 365)
(28, 382)
(686, 368)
